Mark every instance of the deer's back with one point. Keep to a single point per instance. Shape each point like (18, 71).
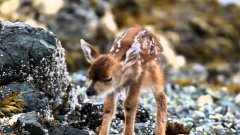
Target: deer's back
(148, 45)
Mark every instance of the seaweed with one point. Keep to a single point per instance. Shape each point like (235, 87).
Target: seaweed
(11, 105)
(176, 128)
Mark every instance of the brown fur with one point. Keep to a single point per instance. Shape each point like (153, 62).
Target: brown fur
(145, 73)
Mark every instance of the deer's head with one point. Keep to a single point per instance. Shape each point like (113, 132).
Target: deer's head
(106, 70)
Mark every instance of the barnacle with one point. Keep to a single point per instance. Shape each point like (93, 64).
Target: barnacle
(176, 128)
(11, 105)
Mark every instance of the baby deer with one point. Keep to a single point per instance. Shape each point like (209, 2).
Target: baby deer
(131, 65)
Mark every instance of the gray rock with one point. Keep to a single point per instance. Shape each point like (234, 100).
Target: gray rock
(143, 128)
(33, 55)
(90, 115)
(6, 130)
(237, 99)
(204, 99)
(29, 123)
(34, 100)
(67, 130)
(217, 117)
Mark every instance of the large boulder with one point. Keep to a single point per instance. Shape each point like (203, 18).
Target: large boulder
(32, 55)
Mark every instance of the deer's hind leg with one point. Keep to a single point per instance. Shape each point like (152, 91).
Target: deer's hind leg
(109, 108)
(161, 103)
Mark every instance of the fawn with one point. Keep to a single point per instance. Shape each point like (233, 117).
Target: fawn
(131, 65)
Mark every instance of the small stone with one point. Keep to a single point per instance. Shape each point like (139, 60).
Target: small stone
(229, 125)
(205, 99)
(9, 7)
(48, 7)
(67, 130)
(199, 128)
(218, 109)
(219, 130)
(217, 117)
(237, 99)
(188, 124)
(31, 123)
(198, 115)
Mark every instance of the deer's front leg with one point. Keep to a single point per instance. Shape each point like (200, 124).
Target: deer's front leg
(161, 110)
(109, 108)
(130, 107)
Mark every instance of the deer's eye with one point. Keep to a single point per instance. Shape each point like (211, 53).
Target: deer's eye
(107, 79)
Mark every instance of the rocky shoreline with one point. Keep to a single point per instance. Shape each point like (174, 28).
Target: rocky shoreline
(39, 96)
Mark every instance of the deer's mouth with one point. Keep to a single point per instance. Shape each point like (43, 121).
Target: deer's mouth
(91, 97)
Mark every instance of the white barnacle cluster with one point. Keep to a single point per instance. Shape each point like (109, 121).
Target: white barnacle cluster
(51, 75)
(58, 75)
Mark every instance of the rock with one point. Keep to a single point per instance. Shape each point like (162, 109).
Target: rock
(205, 99)
(188, 124)
(34, 100)
(83, 24)
(6, 130)
(237, 99)
(90, 115)
(48, 7)
(29, 123)
(236, 79)
(217, 117)
(199, 128)
(107, 20)
(219, 130)
(67, 130)
(194, 73)
(143, 128)
(34, 56)
(34, 23)
(9, 7)
(174, 60)
(198, 115)
(142, 115)
(200, 26)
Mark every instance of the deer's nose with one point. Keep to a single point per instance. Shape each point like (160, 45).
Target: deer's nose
(91, 92)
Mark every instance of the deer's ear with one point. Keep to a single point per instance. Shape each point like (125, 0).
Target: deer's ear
(89, 52)
(132, 55)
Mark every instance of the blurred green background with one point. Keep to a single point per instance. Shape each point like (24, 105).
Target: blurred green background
(201, 38)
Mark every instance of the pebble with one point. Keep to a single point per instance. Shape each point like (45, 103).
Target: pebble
(205, 99)
(237, 99)
(217, 117)
(198, 115)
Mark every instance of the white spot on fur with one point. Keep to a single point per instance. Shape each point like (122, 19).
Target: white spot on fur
(132, 54)
(117, 50)
(112, 48)
(122, 37)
